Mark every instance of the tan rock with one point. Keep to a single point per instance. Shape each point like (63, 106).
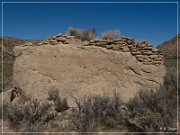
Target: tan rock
(85, 43)
(78, 71)
(110, 47)
(155, 50)
(130, 41)
(141, 45)
(133, 50)
(100, 44)
(116, 47)
(125, 49)
(53, 42)
(136, 53)
(153, 56)
(148, 48)
(139, 58)
(148, 53)
(157, 62)
(147, 63)
(158, 59)
(61, 39)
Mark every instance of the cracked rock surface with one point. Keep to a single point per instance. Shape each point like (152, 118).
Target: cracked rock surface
(78, 71)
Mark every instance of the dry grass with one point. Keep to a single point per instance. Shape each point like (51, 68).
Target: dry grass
(112, 34)
(83, 34)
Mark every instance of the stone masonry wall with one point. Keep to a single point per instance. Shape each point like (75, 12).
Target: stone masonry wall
(143, 51)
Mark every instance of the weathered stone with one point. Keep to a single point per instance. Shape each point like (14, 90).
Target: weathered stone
(149, 45)
(148, 53)
(155, 50)
(110, 47)
(139, 58)
(116, 47)
(136, 53)
(147, 48)
(140, 45)
(141, 50)
(53, 42)
(119, 43)
(134, 50)
(157, 62)
(147, 63)
(130, 41)
(69, 37)
(161, 56)
(79, 71)
(153, 56)
(125, 49)
(43, 43)
(131, 46)
(61, 39)
(66, 42)
(59, 35)
(100, 44)
(147, 60)
(85, 43)
(158, 59)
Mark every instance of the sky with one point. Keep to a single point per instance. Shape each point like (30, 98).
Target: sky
(154, 22)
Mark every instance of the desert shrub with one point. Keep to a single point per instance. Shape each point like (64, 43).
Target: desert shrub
(3, 111)
(87, 34)
(154, 110)
(74, 32)
(96, 113)
(60, 104)
(112, 34)
(31, 116)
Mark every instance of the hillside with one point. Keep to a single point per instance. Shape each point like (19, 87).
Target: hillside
(9, 43)
(169, 48)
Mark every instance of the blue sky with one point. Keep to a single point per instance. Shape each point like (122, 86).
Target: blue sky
(154, 22)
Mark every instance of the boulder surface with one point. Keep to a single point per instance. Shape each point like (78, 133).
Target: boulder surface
(79, 71)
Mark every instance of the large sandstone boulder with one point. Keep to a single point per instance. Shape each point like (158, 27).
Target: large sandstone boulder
(79, 71)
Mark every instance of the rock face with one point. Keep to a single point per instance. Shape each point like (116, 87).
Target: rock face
(9, 43)
(78, 71)
(169, 48)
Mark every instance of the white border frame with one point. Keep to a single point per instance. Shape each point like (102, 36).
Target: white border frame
(2, 3)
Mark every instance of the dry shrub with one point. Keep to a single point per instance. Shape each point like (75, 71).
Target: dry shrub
(83, 34)
(74, 32)
(154, 111)
(60, 104)
(98, 113)
(32, 116)
(112, 34)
